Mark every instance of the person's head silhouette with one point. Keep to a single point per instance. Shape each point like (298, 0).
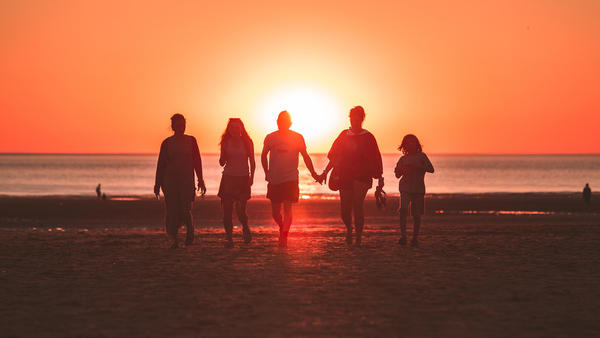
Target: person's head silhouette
(178, 124)
(410, 145)
(284, 120)
(235, 127)
(357, 117)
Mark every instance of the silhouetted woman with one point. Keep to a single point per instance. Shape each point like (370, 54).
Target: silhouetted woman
(179, 158)
(237, 151)
(356, 160)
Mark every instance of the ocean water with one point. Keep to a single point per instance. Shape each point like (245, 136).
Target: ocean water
(29, 174)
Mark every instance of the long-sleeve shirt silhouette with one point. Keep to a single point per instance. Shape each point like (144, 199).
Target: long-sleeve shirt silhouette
(411, 170)
(179, 158)
(357, 156)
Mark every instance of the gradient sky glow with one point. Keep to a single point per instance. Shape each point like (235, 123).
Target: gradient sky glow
(464, 76)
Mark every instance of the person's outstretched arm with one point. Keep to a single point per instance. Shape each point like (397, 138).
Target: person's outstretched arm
(252, 163)
(328, 168)
(309, 165)
(378, 163)
(264, 160)
(160, 168)
(308, 161)
(198, 166)
(332, 155)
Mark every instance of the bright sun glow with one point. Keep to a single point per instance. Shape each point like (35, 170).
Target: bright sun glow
(315, 114)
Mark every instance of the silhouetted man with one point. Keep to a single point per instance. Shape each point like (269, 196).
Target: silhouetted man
(281, 171)
(98, 191)
(587, 193)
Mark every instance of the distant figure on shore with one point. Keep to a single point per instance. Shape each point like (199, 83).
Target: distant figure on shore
(587, 193)
(99, 191)
(237, 151)
(411, 169)
(281, 171)
(179, 158)
(356, 160)
(104, 197)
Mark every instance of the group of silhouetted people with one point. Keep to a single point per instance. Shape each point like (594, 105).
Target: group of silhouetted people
(354, 161)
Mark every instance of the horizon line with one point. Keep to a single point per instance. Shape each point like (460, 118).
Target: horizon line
(312, 153)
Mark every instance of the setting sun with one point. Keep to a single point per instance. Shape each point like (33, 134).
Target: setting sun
(316, 114)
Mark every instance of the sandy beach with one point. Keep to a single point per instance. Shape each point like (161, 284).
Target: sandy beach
(488, 265)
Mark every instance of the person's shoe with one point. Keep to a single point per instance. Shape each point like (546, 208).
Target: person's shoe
(402, 241)
(247, 235)
(414, 242)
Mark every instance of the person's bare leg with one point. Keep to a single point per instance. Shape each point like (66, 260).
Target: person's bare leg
(403, 216)
(346, 212)
(287, 222)
(416, 228)
(287, 216)
(227, 205)
(171, 221)
(188, 221)
(358, 201)
(240, 208)
(276, 213)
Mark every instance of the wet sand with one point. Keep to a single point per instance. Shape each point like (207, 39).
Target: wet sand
(104, 270)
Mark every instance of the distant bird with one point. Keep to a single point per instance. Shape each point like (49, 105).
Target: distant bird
(587, 193)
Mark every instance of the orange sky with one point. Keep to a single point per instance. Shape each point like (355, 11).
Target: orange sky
(472, 77)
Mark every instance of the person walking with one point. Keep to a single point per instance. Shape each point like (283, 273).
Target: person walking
(178, 160)
(356, 160)
(237, 160)
(279, 160)
(411, 169)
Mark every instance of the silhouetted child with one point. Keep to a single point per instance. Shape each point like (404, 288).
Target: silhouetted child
(587, 193)
(411, 169)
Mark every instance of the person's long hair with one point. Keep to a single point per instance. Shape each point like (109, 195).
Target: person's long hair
(244, 134)
(407, 138)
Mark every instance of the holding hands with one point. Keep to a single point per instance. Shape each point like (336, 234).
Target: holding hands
(317, 178)
(321, 179)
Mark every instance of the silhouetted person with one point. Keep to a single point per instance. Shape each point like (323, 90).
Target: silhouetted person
(104, 197)
(99, 191)
(587, 193)
(356, 160)
(411, 169)
(237, 151)
(281, 171)
(179, 158)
